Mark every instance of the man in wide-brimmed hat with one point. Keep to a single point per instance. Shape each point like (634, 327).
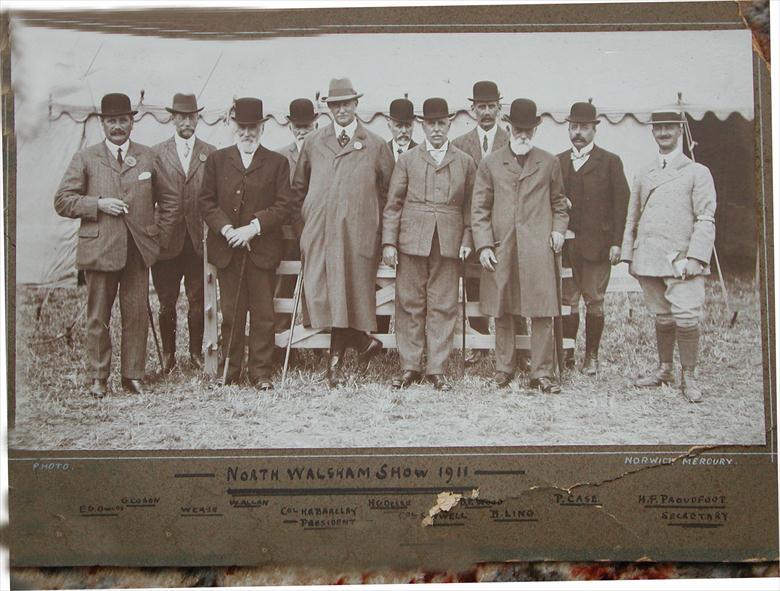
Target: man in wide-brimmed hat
(244, 200)
(485, 138)
(598, 192)
(518, 220)
(112, 187)
(400, 122)
(425, 231)
(341, 184)
(183, 156)
(668, 241)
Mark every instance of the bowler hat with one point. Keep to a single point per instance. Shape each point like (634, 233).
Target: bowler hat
(666, 116)
(340, 89)
(301, 111)
(184, 103)
(402, 110)
(115, 104)
(247, 111)
(485, 91)
(582, 113)
(436, 108)
(522, 114)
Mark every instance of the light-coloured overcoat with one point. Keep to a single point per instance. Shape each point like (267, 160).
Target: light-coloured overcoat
(187, 187)
(671, 215)
(291, 153)
(140, 182)
(426, 197)
(343, 192)
(513, 211)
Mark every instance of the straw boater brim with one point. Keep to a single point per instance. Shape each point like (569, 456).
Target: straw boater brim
(341, 89)
(666, 116)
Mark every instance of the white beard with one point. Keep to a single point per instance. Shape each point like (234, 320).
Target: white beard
(247, 146)
(520, 147)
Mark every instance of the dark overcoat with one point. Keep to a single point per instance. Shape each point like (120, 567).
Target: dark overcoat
(140, 182)
(232, 194)
(187, 187)
(342, 192)
(513, 211)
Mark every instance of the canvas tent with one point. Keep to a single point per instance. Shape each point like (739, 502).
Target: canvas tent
(59, 76)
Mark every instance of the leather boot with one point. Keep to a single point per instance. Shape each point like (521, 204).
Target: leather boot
(571, 325)
(168, 337)
(688, 345)
(594, 326)
(663, 375)
(665, 335)
(689, 385)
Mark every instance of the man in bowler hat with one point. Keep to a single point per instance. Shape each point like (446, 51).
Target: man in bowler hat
(425, 231)
(598, 192)
(183, 156)
(400, 122)
(244, 200)
(112, 187)
(341, 185)
(668, 241)
(484, 139)
(518, 221)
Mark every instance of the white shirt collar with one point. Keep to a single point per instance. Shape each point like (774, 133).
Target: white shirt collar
(491, 136)
(671, 156)
(349, 129)
(584, 152)
(396, 146)
(181, 142)
(113, 148)
(437, 153)
(246, 158)
(299, 144)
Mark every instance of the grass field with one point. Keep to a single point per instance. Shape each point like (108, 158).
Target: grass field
(187, 410)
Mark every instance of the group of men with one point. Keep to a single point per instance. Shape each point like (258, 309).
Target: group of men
(354, 199)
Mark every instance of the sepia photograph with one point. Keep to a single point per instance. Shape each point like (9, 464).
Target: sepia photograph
(332, 240)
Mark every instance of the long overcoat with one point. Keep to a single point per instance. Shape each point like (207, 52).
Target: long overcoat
(140, 182)
(513, 210)
(187, 187)
(343, 192)
(671, 215)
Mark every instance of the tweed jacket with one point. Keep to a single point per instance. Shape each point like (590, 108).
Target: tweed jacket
(291, 153)
(513, 211)
(671, 215)
(412, 144)
(232, 194)
(598, 216)
(139, 181)
(425, 197)
(469, 143)
(187, 187)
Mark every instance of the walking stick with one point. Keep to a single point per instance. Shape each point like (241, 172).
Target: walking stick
(296, 302)
(558, 320)
(463, 319)
(235, 316)
(154, 332)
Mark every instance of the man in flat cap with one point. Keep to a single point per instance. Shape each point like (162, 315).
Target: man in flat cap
(484, 139)
(244, 200)
(425, 231)
(668, 241)
(183, 156)
(518, 221)
(112, 187)
(598, 192)
(400, 122)
(341, 184)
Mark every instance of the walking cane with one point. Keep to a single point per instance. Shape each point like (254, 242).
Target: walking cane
(463, 319)
(558, 320)
(296, 302)
(154, 332)
(235, 316)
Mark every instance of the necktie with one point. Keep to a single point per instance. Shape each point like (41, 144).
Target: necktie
(663, 164)
(119, 156)
(400, 151)
(186, 149)
(343, 138)
(484, 144)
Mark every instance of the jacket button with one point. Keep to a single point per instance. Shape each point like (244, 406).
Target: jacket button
(234, 210)
(238, 192)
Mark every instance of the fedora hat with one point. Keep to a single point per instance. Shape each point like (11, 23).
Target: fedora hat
(247, 111)
(522, 114)
(301, 112)
(402, 110)
(340, 89)
(436, 108)
(485, 91)
(583, 113)
(666, 116)
(115, 104)
(184, 103)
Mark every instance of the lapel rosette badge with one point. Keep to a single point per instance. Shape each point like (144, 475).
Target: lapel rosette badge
(130, 161)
